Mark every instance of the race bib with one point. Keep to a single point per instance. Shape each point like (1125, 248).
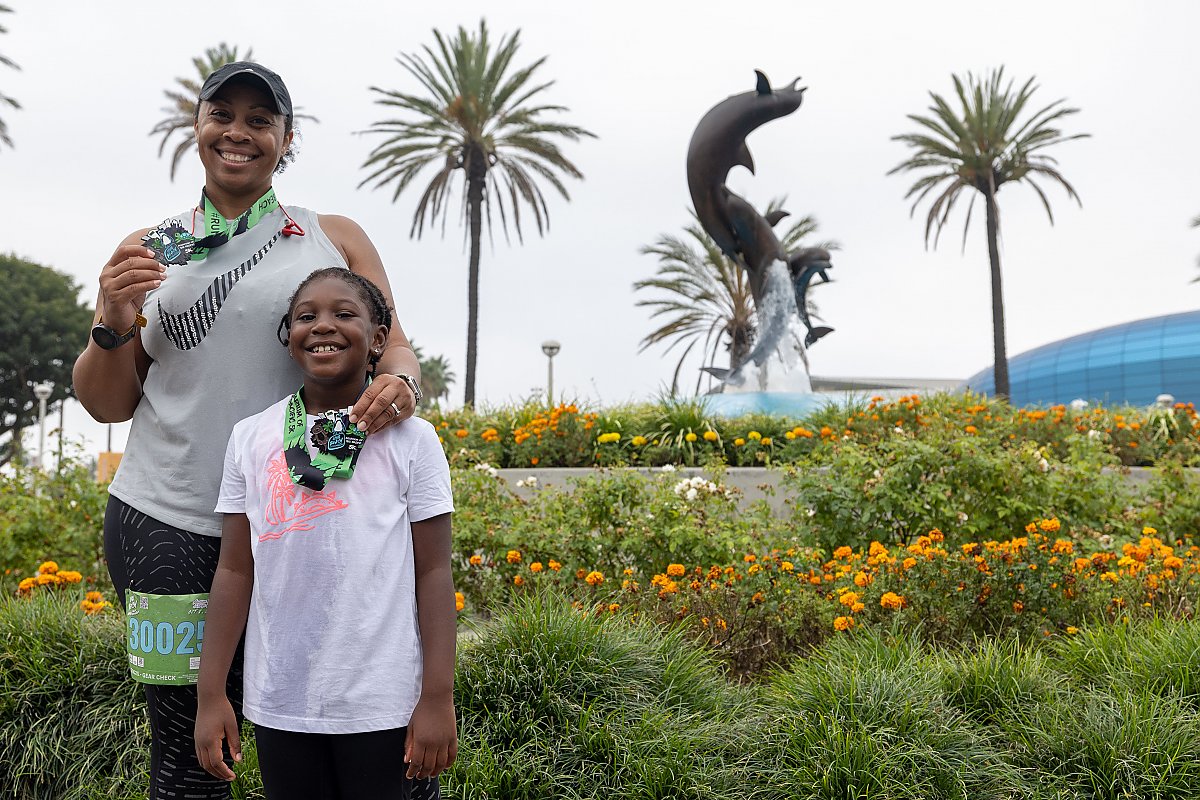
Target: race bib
(166, 632)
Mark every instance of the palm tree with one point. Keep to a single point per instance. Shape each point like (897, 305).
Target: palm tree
(708, 300)
(983, 146)
(182, 108)
(436, 375)
(5, 100)
(475, 114)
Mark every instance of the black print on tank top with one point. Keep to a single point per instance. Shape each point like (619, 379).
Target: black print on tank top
(188, 329)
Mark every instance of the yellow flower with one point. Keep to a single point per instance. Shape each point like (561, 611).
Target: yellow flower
(789, 435)
(690, 437)
(26, 584)
(786, 566)
(710, 436)
(754, 436)
(1072, 630)
(48, 568)
(843, 623)
(94, 597)
(738, 442)
(766, 441)
(606, 438)
(891, 601)
(614, 608)
(460, 602)
(639, 441)
(513, 557)
(849, 599)
(535, 566)
(594, 578)
(675, 570)
(1148, 531)
(475, 560)
(47, 580)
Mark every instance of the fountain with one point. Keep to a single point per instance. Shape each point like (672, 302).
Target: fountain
(774, 377)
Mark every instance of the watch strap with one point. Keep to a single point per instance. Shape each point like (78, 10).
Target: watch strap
(412, 384)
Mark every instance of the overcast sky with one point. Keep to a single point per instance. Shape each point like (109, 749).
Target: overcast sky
(640, 75)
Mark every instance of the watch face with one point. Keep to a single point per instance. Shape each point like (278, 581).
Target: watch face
(107, 338)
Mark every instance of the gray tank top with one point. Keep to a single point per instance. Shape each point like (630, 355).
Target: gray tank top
(211, 330)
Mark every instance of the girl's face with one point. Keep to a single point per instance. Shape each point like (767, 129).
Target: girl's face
(331, 336)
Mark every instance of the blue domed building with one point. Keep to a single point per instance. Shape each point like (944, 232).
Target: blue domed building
(1127, 364)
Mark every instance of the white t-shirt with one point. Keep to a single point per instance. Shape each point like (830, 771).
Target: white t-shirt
(332, 643)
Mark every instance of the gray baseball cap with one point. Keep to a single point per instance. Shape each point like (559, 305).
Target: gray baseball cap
(274, 83)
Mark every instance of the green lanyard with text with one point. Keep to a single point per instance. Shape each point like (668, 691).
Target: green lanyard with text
(218, 230)
(337, 442)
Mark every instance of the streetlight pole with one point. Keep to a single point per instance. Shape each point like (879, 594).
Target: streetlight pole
(550, 348)
(42, 392)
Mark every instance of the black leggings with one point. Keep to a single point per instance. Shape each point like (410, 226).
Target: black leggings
(150, 556)
(338, 766)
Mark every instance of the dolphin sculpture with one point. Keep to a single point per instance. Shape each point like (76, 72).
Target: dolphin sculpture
(719, 144)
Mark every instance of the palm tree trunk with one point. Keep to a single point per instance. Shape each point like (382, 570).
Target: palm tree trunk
(1000, 365)
(476, 168)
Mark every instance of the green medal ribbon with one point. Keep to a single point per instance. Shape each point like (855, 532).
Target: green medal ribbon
(338, 445)
(218, 230)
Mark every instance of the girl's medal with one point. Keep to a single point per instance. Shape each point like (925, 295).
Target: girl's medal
(337, 442)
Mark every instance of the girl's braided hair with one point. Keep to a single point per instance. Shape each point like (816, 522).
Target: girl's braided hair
(367, 291)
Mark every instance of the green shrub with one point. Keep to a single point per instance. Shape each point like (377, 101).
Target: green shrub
(69, 715)
(556, 703)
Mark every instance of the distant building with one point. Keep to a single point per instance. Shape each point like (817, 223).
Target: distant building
(1128, 364)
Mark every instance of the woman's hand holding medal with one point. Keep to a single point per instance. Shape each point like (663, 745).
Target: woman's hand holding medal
(128, 276)
(385, 402)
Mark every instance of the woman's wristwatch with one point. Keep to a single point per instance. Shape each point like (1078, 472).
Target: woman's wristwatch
(412, 384)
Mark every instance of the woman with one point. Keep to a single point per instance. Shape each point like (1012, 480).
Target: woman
(182, 347)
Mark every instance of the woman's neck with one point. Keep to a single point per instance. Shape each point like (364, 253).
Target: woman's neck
(232, 205)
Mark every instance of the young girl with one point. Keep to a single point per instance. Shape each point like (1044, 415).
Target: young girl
(335, 561)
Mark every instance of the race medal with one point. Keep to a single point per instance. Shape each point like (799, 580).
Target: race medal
(165, 634)
(338, 444)
(171, 242)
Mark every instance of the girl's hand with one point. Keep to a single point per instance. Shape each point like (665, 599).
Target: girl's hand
(432, 743)
(215, 722)
(124, 282)
(385, 402)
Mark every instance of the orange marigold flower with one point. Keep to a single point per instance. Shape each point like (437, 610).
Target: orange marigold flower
(971, 429)
(513, 557)
(843, 623)
(877, 549)
(675, 570)
(891, 601)
(594, 578)
(786, 566)
(614, 608)
(849, 599)
(462, 433)
(1031, 527)
(1050, 525)
(48, 568)
(936, 535)
(475, 560)
(749, 558)
(843, 552)
(534, 461)
(758, 597)
(535, 566)
(94, 597)
(26, 584)
(460, 602)
(862, 579)
(1173, 562)
(47, 580)
(908, 563)
(518, 580)
(70, 576)
(1018, 606)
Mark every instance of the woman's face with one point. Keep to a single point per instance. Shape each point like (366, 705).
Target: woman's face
(241, 138)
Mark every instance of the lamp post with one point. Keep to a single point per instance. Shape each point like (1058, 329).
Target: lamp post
(42, 392)
(550, 348)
